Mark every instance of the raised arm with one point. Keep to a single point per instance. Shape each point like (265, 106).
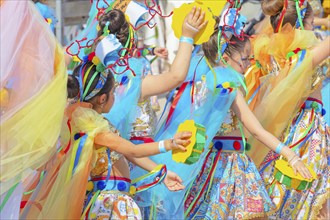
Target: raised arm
(120, 145)
(252, 124)
(158, 84)
(321, 51)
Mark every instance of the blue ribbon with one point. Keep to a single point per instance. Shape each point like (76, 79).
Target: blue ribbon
(80, 147)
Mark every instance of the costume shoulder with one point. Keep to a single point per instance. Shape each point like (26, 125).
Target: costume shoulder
(89, 121)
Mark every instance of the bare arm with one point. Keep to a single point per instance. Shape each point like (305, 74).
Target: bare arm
(252, 124)
(158, 84)
(322, 22)
(321, 51)
(145, 163)
(120, 145)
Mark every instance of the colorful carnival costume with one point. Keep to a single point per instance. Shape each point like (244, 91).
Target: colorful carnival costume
(32, 77)
(206, 96)
(311, 137)
(129, 73)
(229, 184)
(291, 73)
(308, 135)
(110, 194)
(297, 119)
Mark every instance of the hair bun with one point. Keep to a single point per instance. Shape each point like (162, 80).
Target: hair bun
(272, 7)
(72, 86)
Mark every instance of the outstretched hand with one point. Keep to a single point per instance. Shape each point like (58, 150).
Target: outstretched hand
(161, 52)
(180, 141)
(299, 166)
(173, 182)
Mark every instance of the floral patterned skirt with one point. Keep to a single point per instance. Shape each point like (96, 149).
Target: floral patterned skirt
(111, 200)
(311, 135)
(229, 185)
(114, 205)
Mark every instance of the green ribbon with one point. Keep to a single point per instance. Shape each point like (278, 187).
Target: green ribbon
(299, 15)
(9, 193)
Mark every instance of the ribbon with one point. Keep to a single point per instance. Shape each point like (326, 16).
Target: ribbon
(76, 151)
(176, 100)
(156, 176)
(280, 22)
(9, 193)
(143, 139)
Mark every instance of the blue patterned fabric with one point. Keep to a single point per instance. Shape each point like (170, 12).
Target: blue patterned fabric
(210, 105)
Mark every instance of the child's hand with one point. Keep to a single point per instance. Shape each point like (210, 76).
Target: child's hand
(193, 23)
(161, 52)
(298, 165)
(173, 182)
(180, 141)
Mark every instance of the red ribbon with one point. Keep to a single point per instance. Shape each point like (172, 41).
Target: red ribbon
(175, 101)
(144, 139)
(280, 21)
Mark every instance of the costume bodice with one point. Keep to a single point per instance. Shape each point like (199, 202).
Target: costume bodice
(144, 123)
(229, 124)
(200, 92)
(103, 154)
(321, 72)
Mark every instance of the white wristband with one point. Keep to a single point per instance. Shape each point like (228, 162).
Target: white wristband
(161, 147)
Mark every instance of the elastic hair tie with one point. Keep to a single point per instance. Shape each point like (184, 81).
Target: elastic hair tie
(106, 31)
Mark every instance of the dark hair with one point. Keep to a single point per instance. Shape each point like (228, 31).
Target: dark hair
(211, 50)
(41, 1)
(118, 25)
(274, 8)
(73, 87)
(73, 84)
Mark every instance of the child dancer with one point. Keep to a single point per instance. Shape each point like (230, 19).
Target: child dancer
(100, 153)
(139, 123)
(227, 185)
(142, 117)
(307, 132)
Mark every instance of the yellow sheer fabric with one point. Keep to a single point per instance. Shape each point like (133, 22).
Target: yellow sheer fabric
(255, 74)
(283, 94)
(63, 192)
(33, 74)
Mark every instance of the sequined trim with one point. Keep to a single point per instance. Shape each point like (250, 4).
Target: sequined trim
(145, 120)
(229, 124)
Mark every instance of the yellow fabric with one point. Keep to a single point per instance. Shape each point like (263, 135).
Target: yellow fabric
(61, 198)
(179, 15)
(283, 166)
(257, 73)
(179, 155)
(288, 40)
(284, 93)
(29, 136)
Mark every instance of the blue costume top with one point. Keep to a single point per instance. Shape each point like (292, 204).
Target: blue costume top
(213, 93)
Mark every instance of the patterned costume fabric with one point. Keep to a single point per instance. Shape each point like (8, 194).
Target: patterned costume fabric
(213, 94)
(127, 94)
(142, 131)
(314, 150)
(111, 205)
(229, 185)
(144, 124)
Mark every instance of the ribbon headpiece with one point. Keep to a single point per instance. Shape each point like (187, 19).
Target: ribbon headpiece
(231, 24)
